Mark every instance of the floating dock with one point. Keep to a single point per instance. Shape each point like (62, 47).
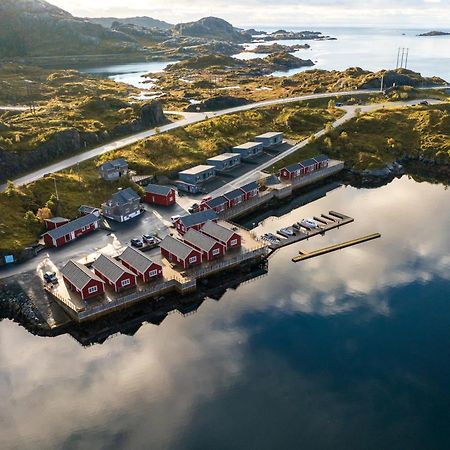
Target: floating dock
(332, 248)
(327, 222)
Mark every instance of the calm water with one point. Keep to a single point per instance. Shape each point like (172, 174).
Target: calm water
(369, 48)
(347, 351)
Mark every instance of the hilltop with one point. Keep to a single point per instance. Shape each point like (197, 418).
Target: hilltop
(141, 21)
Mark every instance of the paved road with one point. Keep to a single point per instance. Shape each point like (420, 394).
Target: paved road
(13, 108)
(188, 119)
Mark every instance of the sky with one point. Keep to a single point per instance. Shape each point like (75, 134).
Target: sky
(427, 14)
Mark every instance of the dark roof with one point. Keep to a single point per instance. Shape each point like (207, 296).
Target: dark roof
(114, 164)
(250, 186)
(76, 224)
(176, 247)
(110, 268)
(124, 196)
(321, 158)
(293, 167)
(57, 219)
(218, 232)
(233, 194)
(135, 258)
(158, 189)
(85, 209)
(78, 274)
(198, 218)
(308, 162)
(217, 201)
(199, 240)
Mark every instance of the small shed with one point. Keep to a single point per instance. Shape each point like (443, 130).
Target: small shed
(113, 170)
(249, 149)
(292, 171)
(86, 209)
(196, 220)
(139, 263)
(81, 280)
(197, 174)
(159, 195)
(115, 274)
(270, 139)
(309, 166)
(234, 197)
(322, 161)
(217, 204)
(250, 190)
(229, 238)
(71, 230)
(225, 161)
(210, 248)
(179, 252)
(55, 222)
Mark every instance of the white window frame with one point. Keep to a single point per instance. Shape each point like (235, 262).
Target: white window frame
(233, 242)
(126, 282)
(92, 290)
(153, 273)
(216, 252)
(192, 259)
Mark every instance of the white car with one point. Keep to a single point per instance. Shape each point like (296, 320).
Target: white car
(287, 232)
(308, 223)
(175, 219)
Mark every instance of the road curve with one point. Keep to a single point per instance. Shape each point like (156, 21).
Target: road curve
(188, 119)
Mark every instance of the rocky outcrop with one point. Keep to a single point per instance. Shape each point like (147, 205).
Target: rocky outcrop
(397, 78)
(71, 141)
(217, 103)
(434, 33)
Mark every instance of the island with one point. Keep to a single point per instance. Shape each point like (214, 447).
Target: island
(434, 33)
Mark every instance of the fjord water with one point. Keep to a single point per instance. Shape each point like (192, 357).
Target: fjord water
(347, 351)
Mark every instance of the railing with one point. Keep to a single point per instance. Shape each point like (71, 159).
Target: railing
(246, 204)
(67, 302)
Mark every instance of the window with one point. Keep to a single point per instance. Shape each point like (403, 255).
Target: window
(153, 273)
(126, 282)
(192, 259)
(83, 229)
(216, 252)
(233, 242)
(92, 290)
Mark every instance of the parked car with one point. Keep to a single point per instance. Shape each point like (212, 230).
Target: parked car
(339, 105)
(424, 102)
(287, 232)
(308, 223)
(149, 239)
(194, 208)
(136, 242)
(175, 219)
(50, 277)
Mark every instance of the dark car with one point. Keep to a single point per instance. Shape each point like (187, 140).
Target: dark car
(425, 103)
(50, 277)
(149, 239)
(194, 208)
(136, 242)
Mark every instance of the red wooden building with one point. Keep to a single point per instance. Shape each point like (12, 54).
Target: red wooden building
(210, 248)
(229, 238)
(116, 275)
(250, 190)
(81, 280)
(234, 197)
(196, 220)
(139, 263)
(292, 171)
(217, 204)
(322, 161)
(55, 222)
(180, 253)
(71, 230)
(159, 195)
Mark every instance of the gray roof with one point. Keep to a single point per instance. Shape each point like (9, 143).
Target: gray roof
(269, 135)
(199, 240)
(293, 167)
(110, 268)
(248, 145)
(233, 194)
(250, 186)
(198, 218)
(135, 258)
(176, 247)
(224, 157)
(78, 274)
(216, 201)
(321, 158)
(308, 162)
(124, 196)
(114, 164)
(197, 169)
(57, 219)
(218, 232)
(158, 189)
(76, 224)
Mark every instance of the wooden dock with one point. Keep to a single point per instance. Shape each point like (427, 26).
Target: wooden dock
(332, 248)
(327, 222)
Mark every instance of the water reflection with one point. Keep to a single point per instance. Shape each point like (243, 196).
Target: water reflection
(356, 340)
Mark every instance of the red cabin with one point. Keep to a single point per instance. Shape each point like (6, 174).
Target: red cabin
(55, 222)
(235, 197)
(196, 220)
(180, 253)
(229, 238)
(292, 171)
(116, 275)
(159, 195)
(250, 190)
(217, 204)
(81, 280)
(139, 263)
(210, 248)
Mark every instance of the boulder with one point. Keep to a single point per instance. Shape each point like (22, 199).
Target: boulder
(152, 114)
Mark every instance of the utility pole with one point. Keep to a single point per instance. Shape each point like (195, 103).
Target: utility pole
(406, 61)
(382, 83)
(398, 57)
(403, 55)
(56, 190)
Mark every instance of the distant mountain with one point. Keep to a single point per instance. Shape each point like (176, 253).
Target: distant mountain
(37, 28)
(212, 28)
(143, 21)
(434, 33)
